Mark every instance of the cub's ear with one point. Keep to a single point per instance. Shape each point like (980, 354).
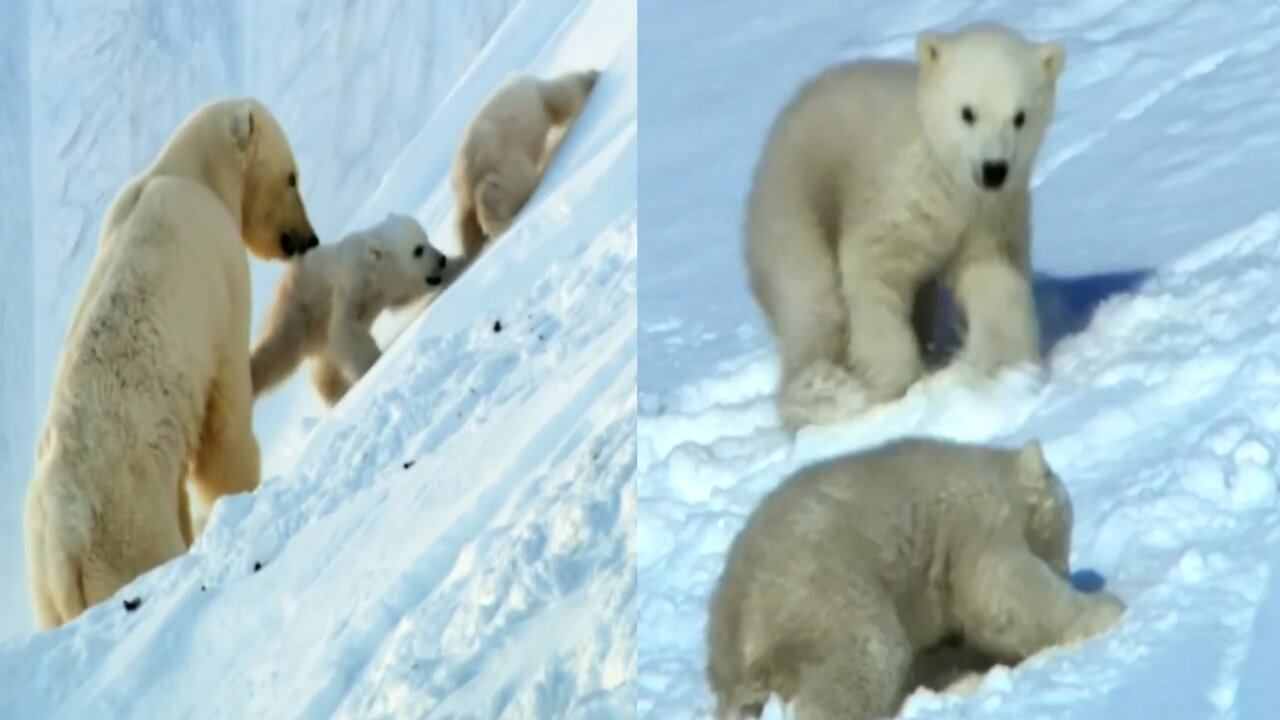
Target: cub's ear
(929, 51)
(1031, 462)
(1052, 56)
(243, 127)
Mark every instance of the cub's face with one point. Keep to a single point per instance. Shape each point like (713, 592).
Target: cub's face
(985, 98)
(274, 221)
(412, 266)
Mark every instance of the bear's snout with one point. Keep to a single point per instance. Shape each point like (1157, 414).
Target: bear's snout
(434, 280)
(291, 244)
(994, 173)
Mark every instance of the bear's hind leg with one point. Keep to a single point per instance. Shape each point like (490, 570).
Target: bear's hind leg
(862, 676)
(227, 460)
(502, 193)
(471, 236)
(1011, 605)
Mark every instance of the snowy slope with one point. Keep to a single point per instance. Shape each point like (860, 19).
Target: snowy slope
(456, 539)
(1160, 414)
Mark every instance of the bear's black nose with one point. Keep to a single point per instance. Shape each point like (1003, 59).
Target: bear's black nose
(994, 173)
(433, 280)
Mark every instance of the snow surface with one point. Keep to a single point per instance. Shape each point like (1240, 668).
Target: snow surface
(456, 538)
(1155, 206)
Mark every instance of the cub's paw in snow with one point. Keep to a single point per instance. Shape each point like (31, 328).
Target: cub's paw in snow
(882, 177)
(328, 300)
(505, 150)
(848, 580)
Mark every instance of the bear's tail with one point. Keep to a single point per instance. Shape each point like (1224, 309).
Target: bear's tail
(470, 235)
(821, 393)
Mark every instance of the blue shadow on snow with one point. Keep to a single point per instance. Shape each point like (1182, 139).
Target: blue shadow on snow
(1065, 305)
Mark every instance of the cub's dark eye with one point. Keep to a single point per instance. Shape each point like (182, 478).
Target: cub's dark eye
(1019, 119)
(966, 114)
(292, 180)
(443, 261)
(417, 252)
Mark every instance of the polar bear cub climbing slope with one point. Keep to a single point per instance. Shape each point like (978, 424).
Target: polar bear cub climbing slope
(153, 377)
(880, 177)
(851, 568)
(505, 150)
(328, 300)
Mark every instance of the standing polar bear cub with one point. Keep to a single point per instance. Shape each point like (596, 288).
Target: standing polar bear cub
(505, 150)
(153, 379)
(327, 302)
(880, 177)
(851, 570)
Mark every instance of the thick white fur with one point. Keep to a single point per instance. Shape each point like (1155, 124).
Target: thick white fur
(153, 378)
(870, 189)
(852, 570)
(328, 300)
(507, 147)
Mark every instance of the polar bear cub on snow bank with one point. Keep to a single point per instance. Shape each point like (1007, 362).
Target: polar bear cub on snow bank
(153, 378)
(328, 300)
(880, 177)
(852, 568)
(505, 150)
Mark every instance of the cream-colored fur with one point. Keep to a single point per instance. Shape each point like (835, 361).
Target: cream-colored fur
(328, 300)
(153, 379)
(870, 188)
(852, 569)
(505, 150)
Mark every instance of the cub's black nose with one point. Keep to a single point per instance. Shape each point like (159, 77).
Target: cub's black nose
(291, 244)
(994, 174)
(434, 280)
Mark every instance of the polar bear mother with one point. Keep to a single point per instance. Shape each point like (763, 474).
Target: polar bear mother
(880, 177)
(153, 379)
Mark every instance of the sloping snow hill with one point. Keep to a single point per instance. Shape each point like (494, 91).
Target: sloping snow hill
(1161, 411)
(457, 538)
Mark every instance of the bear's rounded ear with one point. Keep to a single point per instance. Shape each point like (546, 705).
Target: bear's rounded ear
(1052, 56)
(929, 50)
(242, 126)
(1031, 462)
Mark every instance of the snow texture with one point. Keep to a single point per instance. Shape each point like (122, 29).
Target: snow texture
(456, 539)
(1157, 245)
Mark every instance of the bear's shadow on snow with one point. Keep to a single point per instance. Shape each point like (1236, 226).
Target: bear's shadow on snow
(1064, 305)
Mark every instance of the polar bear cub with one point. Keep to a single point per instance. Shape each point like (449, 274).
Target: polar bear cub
(328, 300)
(881, 177)
(506, 148)
(852, 568)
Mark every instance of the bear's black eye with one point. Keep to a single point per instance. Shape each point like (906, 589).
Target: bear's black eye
(292, 180)
(417, 252)
(966, 114)
(1019, 119)
(443, 261)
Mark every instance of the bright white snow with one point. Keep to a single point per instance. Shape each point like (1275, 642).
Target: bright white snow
(1161, 413)
(454, 540)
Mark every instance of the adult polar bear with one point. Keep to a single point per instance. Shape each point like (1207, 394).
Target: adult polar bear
(878, 178)
(153, 378)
